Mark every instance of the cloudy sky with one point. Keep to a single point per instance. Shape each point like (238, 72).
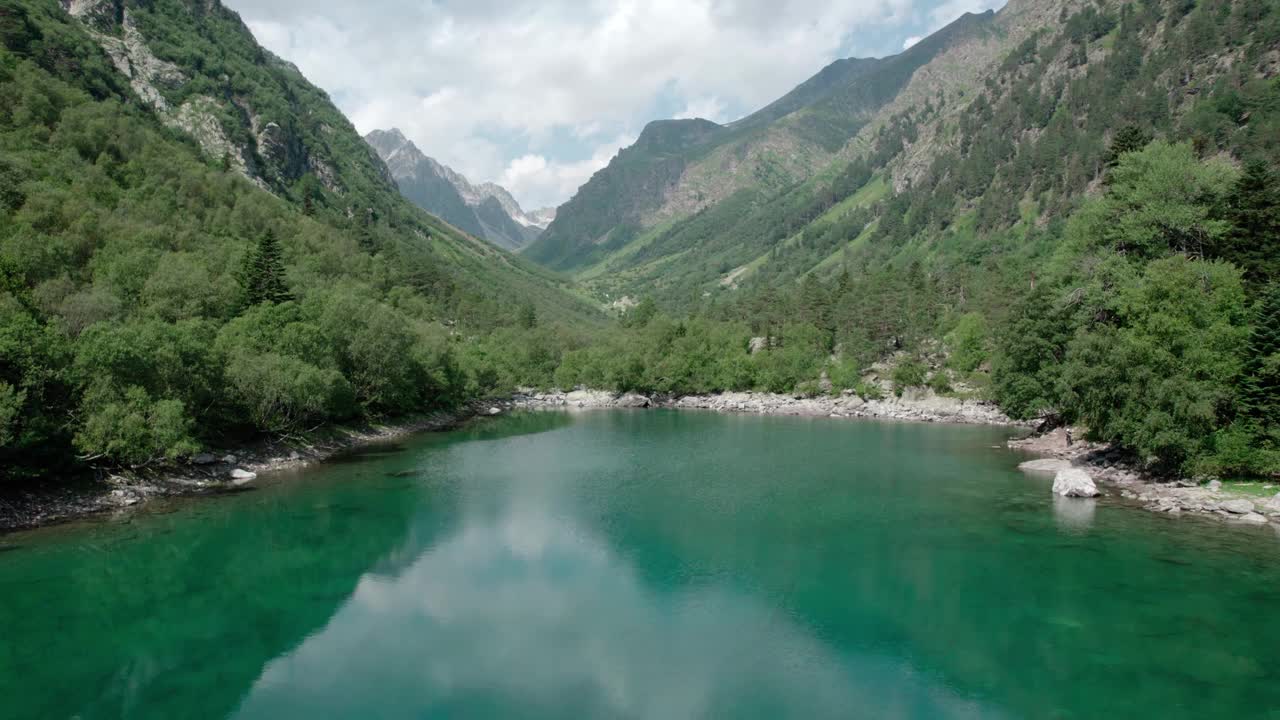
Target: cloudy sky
(539, 94)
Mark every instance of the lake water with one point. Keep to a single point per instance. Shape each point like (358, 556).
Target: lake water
(646, 565)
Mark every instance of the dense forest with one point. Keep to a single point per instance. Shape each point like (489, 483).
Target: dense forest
(1097, 242)
(154, 301)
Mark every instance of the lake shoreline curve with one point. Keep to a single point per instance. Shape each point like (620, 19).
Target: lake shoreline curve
(219, 472)
(1105, 464)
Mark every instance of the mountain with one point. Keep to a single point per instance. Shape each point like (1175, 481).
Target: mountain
(1069, 208)
(679, 168)
(486, 211)
(197, 248)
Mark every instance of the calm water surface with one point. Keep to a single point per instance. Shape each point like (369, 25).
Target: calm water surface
(646, 565)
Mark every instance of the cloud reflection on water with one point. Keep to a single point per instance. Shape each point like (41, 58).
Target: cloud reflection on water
(522, 611)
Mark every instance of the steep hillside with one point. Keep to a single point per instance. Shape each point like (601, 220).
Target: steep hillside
(677, 169)
(486, 211)
(196, 246)
(1075, 215)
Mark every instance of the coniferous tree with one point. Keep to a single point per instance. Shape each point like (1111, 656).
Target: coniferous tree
(1253, 208)
(1260, 396)
(528, 317)
(264, 274)
(1129, 138)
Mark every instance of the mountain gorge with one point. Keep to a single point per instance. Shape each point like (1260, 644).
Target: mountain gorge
(1058, 206)
(485, 211)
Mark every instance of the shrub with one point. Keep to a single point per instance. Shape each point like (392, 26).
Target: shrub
(909, 373)
(282, 394)
(967, 343)
(940, 382)
(133, 428)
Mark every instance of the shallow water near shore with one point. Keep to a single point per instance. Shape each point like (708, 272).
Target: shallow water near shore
(646, 564)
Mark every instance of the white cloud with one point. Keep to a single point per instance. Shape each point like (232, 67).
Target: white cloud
(906, 44)
(481, 83)
(534, 176)
(707, 108)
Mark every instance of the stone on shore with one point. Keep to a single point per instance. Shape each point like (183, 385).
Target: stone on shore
(240, 477)
(204, 459)
(1048, 465)
(1074, 483)
(633, 400)
(1215, 485)
(1254, 518)
(495, 411)
(1237, 507)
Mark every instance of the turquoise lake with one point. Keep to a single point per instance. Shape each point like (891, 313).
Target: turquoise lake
(647, 564)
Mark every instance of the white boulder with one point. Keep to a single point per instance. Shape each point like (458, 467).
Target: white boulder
(1074, 483)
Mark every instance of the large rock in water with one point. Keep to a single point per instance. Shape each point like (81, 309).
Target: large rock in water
(1074, 483)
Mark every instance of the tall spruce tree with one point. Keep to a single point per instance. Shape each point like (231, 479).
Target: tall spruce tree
(264, 273)
(1129, 138)
(1260, 399)
(1253, 208)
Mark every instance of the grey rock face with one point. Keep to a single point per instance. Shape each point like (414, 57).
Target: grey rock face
(486, 211)
(1074, 483)
(1237, 507)
(633, 400)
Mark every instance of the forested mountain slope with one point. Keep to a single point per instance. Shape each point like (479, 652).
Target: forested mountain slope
(196, 246)
(1081, 222)
(681, 167)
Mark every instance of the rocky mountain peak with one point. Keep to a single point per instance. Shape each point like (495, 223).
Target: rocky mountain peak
(487, 210)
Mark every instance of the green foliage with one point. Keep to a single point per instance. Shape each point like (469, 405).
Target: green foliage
(1128, 139)
(1161, 378)
(134, 428)
(1031, 346)
(967, 342)
(1161, 199)
(283, 394)
(153, 301)
(264, 273)
(908, 373)
(11, 402)
(528, 316)
(640, 315)
(1253, 208)
(940, 382)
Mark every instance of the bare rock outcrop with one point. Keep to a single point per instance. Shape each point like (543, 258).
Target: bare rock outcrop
(1074, 483)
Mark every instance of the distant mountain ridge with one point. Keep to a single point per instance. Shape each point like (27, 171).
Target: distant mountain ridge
(486, 211)
(679, 168)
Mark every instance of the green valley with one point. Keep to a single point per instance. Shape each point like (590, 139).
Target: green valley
(1067, 208)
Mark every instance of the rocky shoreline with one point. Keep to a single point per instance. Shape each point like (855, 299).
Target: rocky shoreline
(214, 472)
(1106, 465)
(918, 406)
(227, 471)
(1129, 483)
